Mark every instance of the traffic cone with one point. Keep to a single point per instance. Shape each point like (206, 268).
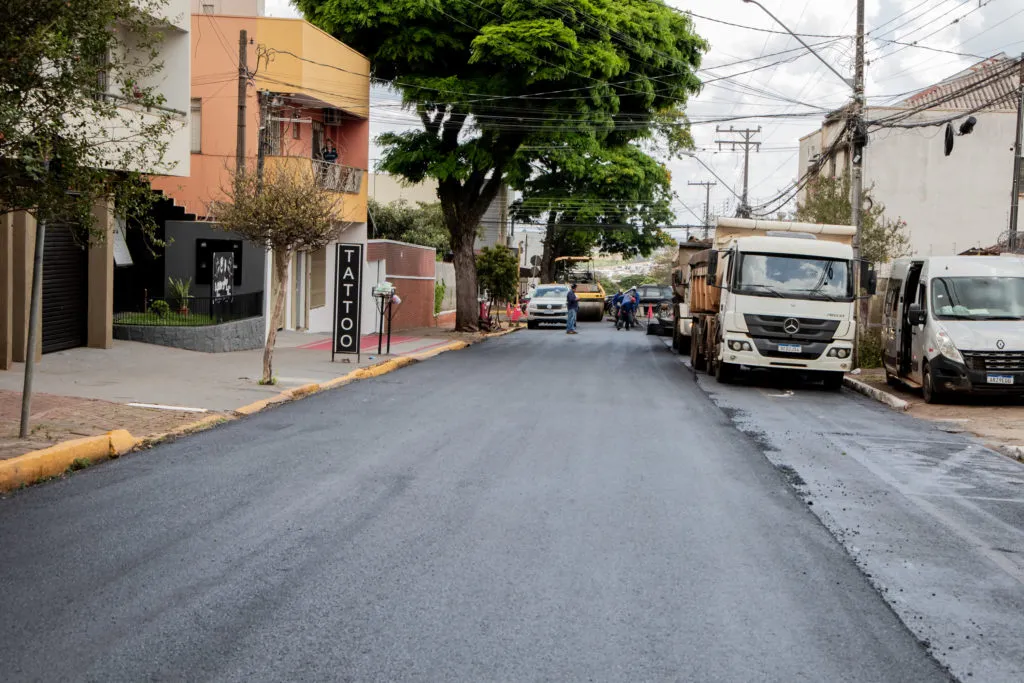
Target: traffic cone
(650, 312)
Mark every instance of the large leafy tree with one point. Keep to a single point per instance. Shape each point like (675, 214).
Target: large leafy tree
(486, 76)
(592, 195)
(401, 221)
(79, 105)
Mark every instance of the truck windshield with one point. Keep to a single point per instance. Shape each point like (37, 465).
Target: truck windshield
(978, 298)
(793, 276)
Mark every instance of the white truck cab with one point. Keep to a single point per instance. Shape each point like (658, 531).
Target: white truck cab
(955, 324)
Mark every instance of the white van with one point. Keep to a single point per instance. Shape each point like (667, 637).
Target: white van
(955, 324)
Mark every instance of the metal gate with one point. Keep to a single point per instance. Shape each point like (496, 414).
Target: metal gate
(65, 290)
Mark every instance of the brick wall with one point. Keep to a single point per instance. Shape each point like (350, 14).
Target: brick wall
(410, 268)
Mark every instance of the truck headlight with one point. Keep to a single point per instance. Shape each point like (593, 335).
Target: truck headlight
(945, 346)
(740, 346)
(838, 353)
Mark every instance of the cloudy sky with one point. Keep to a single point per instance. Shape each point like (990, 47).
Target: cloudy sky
(957, 33)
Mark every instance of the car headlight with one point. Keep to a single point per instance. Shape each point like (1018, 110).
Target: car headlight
(740, 346)
(945, 346)
(838, 353)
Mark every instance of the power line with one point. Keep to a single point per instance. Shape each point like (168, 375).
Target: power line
(760, 30)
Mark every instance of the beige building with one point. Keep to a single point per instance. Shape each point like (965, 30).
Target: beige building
(950, 203)
(78, 279)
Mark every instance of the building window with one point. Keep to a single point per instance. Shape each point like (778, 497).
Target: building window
(296, 130)
(197, 126)
(208, 8)
(318, 279)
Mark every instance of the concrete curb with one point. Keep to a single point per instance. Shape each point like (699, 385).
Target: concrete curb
(1015, 452)
(55, 460)
(877, 394)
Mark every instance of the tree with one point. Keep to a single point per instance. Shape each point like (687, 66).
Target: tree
(630, 281)
(487, 76)
(594, 195)
(828, 201)
(421, 224)
(498, 273)
(286, 211)
(66, 74)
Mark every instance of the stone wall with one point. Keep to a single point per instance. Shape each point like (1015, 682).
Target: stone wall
(238, 335)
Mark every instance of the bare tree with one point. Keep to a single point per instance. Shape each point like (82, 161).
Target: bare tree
(287, 211)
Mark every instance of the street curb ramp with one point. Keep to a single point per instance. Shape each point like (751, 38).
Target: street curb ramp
(37, 466)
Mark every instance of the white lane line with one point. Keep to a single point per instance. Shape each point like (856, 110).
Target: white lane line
(157, 406)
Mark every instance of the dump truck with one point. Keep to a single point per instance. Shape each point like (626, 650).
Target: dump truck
(681, 321)
(775, 295)
(579, 270)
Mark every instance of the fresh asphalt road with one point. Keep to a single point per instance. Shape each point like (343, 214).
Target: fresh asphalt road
(537, 507)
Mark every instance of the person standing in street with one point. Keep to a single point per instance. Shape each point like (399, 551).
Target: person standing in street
(573, 309)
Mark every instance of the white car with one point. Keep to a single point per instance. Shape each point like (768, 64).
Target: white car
(548, 305)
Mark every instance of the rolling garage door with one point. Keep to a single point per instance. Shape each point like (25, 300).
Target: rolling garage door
(65, 290)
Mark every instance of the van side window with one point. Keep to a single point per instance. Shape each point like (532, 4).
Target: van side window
(892, 298)
(922, 296)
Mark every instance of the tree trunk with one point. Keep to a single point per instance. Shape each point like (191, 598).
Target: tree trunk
(281, 258)
(467, 308)
(547, 261)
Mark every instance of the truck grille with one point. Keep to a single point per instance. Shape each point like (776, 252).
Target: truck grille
(774, 327)
(986, 361)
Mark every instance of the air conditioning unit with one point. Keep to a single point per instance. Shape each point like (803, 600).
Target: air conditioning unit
(332, 117)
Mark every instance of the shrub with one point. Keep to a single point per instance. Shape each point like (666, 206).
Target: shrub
(439, 290)
(870, 349)
(160, 308)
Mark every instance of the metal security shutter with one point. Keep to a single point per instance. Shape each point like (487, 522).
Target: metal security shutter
(65, 290)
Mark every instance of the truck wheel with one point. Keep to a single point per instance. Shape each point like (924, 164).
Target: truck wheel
(724, 372)
(834, 381)
(675, 338)
(928, 390)
(684, 345)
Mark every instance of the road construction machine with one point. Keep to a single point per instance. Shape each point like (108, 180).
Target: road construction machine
(579, 270)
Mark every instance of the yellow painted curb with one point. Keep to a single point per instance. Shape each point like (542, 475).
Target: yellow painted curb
(253, 407)
(54, 460)
(451, 346)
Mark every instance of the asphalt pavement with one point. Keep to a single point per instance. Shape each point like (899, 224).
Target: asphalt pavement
(539, 507)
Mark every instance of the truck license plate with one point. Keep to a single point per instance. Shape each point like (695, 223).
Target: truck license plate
(1000, 379)
(790, 348)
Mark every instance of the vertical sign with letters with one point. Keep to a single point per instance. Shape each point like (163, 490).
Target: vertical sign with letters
(348, 288)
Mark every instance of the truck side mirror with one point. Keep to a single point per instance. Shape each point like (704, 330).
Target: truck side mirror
(917, 315)
(712, 275)
(868, 277)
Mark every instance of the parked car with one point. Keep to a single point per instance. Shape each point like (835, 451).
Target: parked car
(548, 305)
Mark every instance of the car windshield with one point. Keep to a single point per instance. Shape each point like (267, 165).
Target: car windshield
(978, 298)
(655, 293)
(798, 277)
(550, 293)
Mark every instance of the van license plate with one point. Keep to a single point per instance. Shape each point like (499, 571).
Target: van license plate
(1000, 379)
(790, 348)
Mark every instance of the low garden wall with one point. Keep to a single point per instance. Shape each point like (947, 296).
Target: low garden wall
(237, 335)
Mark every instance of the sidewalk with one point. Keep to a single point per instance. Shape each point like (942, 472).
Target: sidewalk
(87, 392)
(998, 421)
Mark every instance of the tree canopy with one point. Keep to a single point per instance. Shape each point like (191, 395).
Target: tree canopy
(488, 77)
(420, 224)
(66, 76)
(828, 201)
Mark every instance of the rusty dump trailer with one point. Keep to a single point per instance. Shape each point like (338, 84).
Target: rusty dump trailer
(682, 320)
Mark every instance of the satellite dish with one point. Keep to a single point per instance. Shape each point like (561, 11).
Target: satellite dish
(949, 138)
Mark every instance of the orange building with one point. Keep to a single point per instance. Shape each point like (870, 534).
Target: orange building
(312, 93)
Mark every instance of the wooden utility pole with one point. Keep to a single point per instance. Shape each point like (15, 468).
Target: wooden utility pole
(243, 81)
(857, 134)
(707, 204)
(747, 135)
(1018, 166)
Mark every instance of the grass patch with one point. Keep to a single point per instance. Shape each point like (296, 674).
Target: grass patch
(79, 464)
(170, 319)
(268, 383)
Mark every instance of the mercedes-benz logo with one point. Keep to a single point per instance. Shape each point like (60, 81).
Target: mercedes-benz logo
(791, 326)
(1000, 344)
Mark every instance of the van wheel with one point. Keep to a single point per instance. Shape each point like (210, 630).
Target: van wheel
(928, 390)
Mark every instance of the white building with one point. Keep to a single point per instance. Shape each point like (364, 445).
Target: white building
(951, 204)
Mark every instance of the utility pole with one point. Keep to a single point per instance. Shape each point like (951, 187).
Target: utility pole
(707, 204)
(35, 306)
(243, 81)
(857, 135)
(1018, 166)
(747, 135)
(261, 138)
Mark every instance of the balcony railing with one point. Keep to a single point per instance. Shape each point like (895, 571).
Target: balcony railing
(338, 178)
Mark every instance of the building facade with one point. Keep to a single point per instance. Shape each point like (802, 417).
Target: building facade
(311, 93)
(78, 275)
(950, 203)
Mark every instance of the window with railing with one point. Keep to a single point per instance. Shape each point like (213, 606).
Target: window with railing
(197, 125)
(338, 178)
